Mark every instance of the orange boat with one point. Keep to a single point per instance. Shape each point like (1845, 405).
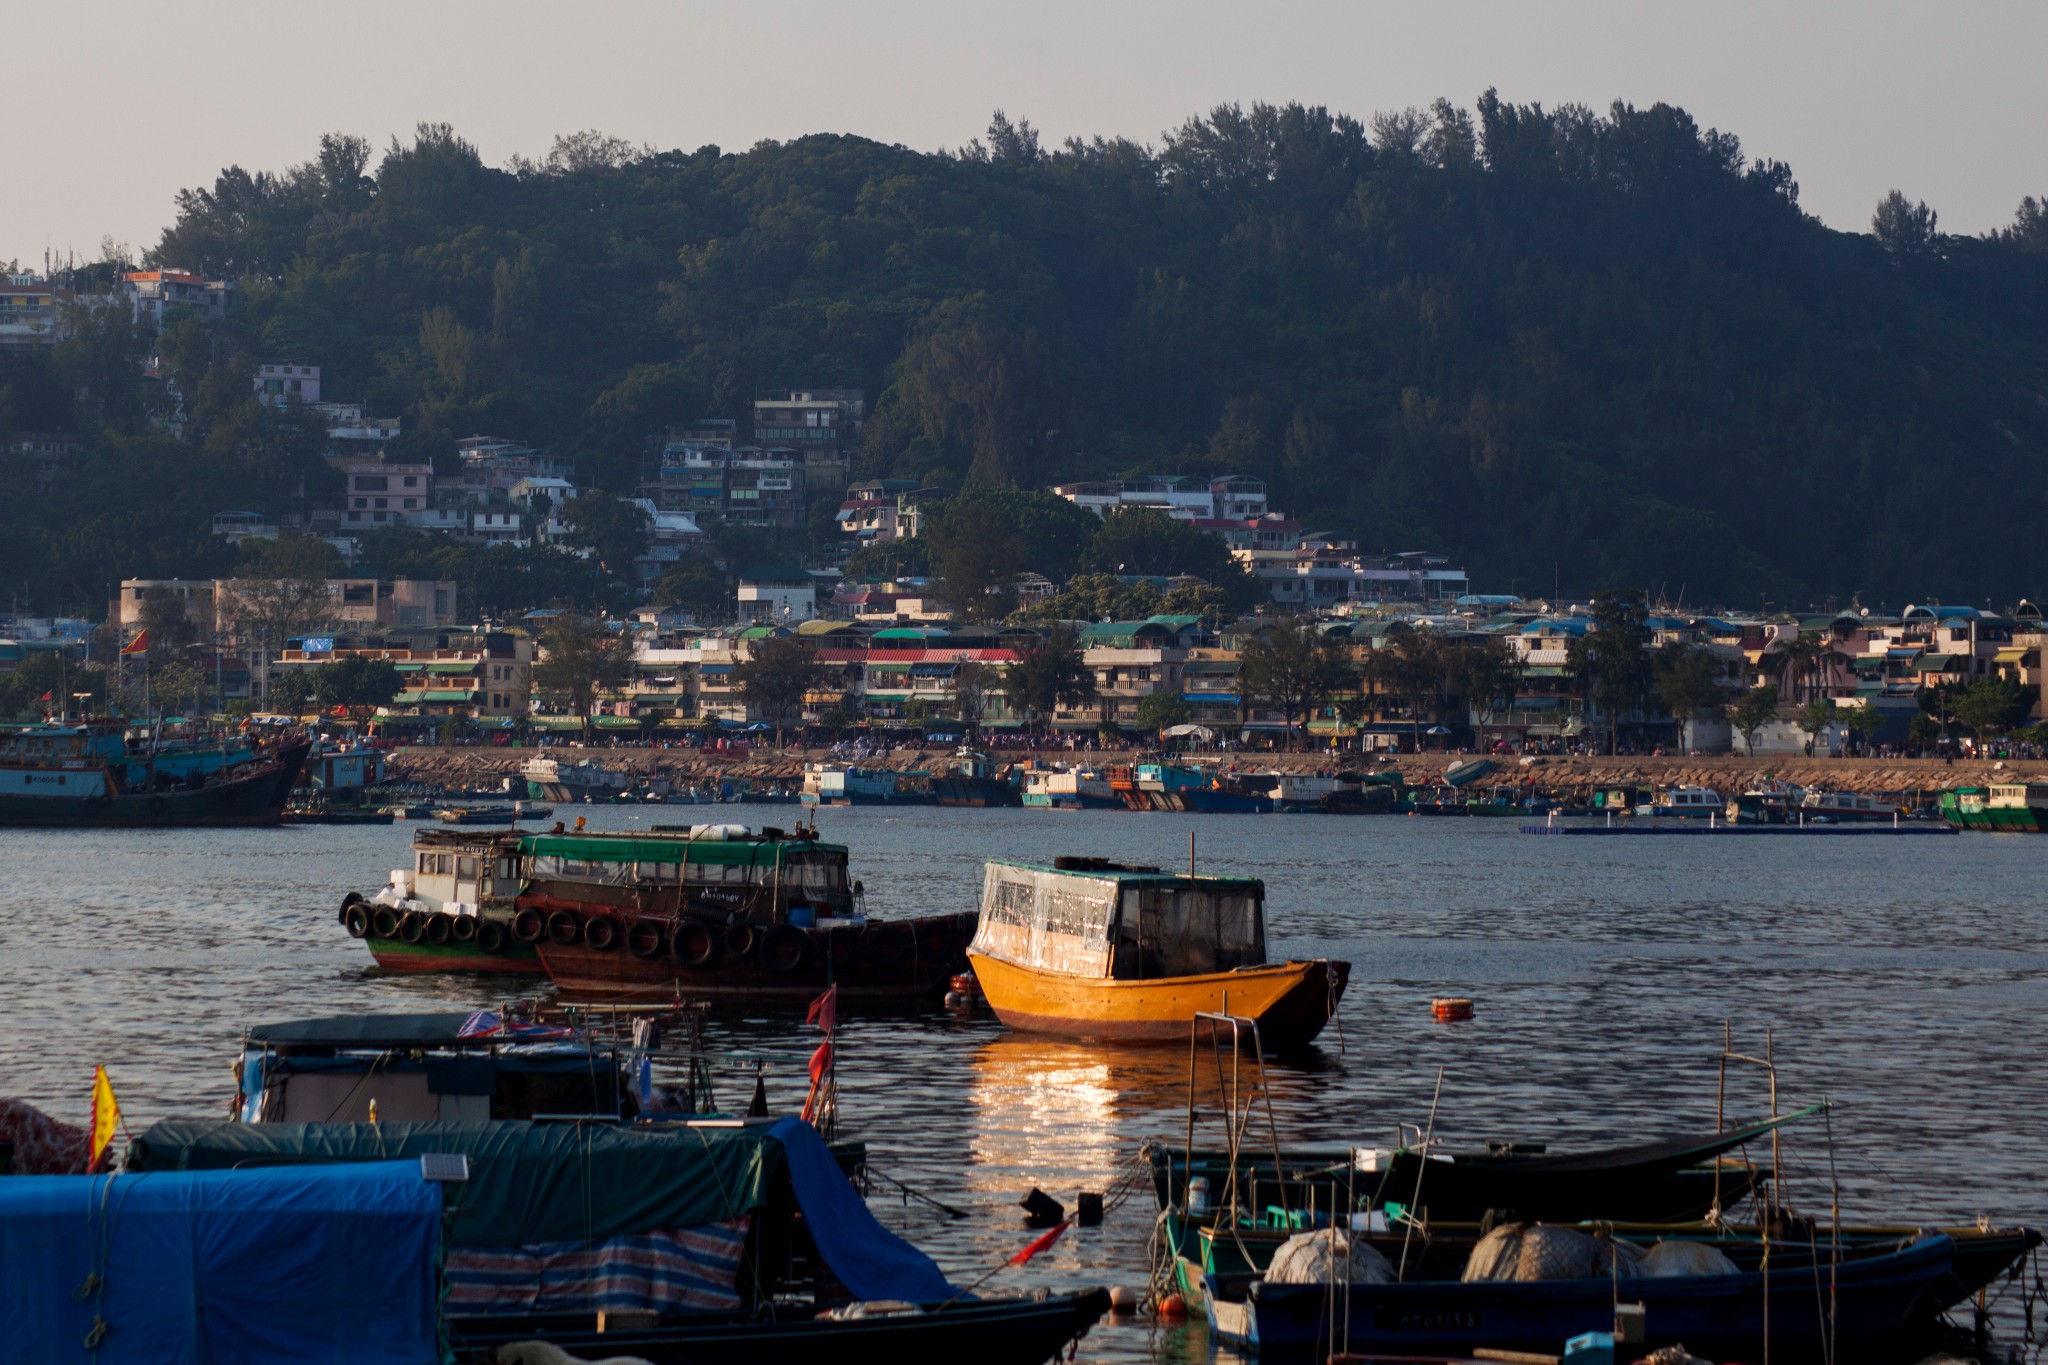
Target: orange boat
(1095, 949)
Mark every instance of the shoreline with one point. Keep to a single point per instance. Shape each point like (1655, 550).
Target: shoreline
(468, 766)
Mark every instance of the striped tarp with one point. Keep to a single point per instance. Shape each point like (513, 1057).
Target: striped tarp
(688, 1268)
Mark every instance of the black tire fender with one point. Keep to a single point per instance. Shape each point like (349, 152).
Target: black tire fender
(646, 939)
(384, 922)
(564, 928)
(490, 937)
(413, 927)
(695, 945)
(784, 948)
(356, 920)
(602, 932)
(529, 927)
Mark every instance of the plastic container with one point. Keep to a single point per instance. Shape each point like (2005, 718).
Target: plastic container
(1198, 1196)
(803, 917)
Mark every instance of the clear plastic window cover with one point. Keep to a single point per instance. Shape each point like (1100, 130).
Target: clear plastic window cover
(812, 874)
(1058, 922)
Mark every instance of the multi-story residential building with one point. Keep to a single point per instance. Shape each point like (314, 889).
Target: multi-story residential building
(1323, 574)
(743, 485)
(446, 674)
(1131, 660)
(777, 594)
(281, 383)
(823, 425)
(32, 310)
(381, 494)
(490, 468)
(353, 435)
(155, 294)
(878, 511)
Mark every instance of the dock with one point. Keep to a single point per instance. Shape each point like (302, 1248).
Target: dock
(1657, 827)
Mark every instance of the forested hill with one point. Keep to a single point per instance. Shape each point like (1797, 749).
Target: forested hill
(1601, 349)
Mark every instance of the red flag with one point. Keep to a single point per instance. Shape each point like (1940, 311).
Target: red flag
(44, 697)
(821, 1061)
(1039, 1244)
(138, 645)
(824, 1011)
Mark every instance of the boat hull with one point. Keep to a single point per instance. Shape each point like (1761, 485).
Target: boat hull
(1876, 1299)
(255, 798)
(396, 955)
(1291, 1001)
(989, 1332)
(895, 960)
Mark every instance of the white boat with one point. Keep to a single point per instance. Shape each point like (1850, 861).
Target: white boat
(549, 779)
(1690, 803)
(1844, 806)
(1070, 789)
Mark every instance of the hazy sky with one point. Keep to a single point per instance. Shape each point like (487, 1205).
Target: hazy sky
(115, 106)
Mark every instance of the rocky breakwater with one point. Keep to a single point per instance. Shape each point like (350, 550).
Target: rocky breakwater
(476, 767)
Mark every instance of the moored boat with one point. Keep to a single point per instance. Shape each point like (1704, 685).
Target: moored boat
(550, 779)
(450, 911)
(68, 774)
(1689, 803)
(721, 911)
(1070, 789)
(1843, 807)
(972, 780)
(1094, 949)
(2003, 807)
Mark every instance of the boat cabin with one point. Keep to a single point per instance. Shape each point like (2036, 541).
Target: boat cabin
(1091, 918)
(761, 876)
(60, 746)
(2017, 796)
(456, 871)
(424, 1068)
(1690, 801)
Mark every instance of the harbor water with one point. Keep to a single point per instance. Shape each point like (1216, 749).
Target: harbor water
(1903, 979)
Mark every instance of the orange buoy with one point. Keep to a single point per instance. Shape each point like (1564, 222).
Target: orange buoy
(965, 983)
(1173, 1306)
(1452, 1007)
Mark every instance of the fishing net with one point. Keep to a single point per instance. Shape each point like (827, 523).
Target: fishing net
(1321, 1257)
(1535, 1251)
(1684, 1258)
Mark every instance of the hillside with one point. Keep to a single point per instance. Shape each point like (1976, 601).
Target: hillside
(1559, 346)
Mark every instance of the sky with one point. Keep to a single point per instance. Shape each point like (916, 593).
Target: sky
(115, 106)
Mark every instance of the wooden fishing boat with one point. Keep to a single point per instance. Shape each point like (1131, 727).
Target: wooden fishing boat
(1094, 949)
(65, 774)
(718, 911)
(997, 1331)
(1671, 1180)
(1869, 1296)
(452, 910)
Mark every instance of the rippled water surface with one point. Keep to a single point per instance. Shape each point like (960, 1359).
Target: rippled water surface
(1903, 979)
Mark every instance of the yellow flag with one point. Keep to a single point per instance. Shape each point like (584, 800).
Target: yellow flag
(106, 1115)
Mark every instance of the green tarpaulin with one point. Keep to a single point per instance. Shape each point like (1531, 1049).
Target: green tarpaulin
(528, 1182)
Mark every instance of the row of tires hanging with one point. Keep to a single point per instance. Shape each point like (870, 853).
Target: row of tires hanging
(693, 943)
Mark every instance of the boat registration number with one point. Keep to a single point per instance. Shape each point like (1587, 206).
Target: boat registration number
(1428, 1320)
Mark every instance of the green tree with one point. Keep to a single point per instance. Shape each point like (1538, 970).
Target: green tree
(1097, 597)
(358, 683)
(1815, 718)
(1904, 229)
(1295, 668)
(1692, 684)
(579, 660)
(1756, 708)
(776, 676)
(1049, 675)
(1865, 720)
(890, 559)
(614, 530)
(289, 692)
(1992, 706)
(977, 556)
(1612, 658)
(1160, 711)
(696, 585)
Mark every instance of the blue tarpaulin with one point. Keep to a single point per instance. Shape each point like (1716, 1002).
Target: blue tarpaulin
(870, 1260)
(320, 1265)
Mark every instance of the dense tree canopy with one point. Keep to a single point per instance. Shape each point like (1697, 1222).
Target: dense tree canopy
(1559, 344)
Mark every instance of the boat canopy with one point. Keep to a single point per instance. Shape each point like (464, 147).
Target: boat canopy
(224, 1265)
(528, 1182)
(1119, 923)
